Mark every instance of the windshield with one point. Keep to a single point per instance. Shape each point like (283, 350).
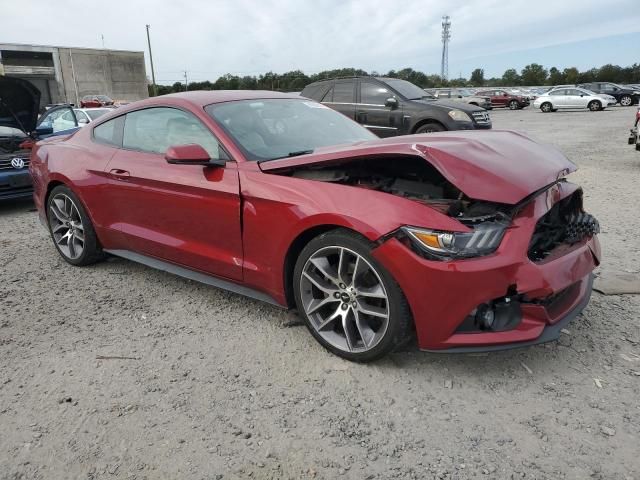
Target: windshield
(407, 89)
(103, 98)
(464, 92)
(277, 128)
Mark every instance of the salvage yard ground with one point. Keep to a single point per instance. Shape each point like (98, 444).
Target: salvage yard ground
(120, 371)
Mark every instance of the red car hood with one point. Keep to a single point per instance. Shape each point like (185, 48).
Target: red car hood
(496, 166)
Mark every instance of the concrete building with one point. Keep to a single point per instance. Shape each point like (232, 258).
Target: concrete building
(67, 74)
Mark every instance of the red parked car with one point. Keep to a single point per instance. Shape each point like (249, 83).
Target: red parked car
(95, 101)
(472, 240)
(504, 98)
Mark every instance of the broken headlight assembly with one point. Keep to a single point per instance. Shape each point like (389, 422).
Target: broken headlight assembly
(438, 245)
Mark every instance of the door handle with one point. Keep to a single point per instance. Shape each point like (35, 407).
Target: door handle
(119, 174)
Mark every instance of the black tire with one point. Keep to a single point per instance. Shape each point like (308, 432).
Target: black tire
(430, 127)
(399, 328)
(514, 105)
(638, 146)
(594, 106)
(91, 250)
(546, 107)
(626, 100)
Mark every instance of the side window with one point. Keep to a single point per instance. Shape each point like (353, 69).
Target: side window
(107, 132)
(154, 130)
(58, 119)
(343, 92)
(373, 94)
(559, 92)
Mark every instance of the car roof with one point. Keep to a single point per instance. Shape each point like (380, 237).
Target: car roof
(207, 97)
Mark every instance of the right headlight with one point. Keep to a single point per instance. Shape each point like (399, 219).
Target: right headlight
(439, 245)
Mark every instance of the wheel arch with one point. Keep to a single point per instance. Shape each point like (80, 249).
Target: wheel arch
(423, 121)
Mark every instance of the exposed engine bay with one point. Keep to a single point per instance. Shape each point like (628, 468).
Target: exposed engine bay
(407, 177)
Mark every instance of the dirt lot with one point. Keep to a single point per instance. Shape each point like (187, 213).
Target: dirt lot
(218, 386)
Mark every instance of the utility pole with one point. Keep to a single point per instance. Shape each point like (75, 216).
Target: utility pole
(102, 36)
(446, 36)
(153, 73)
(186, 81)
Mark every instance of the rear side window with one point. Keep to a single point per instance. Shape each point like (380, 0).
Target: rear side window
(559, 92)
(343, 92)
(108, 132)
(154, 130)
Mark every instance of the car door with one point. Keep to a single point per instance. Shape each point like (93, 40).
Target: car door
(576, 98)
(60, 120)
(342, 96)
(372, 111)
(501, 98)
(185, 214)
(559, 98)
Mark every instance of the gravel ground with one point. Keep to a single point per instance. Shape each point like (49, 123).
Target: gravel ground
(213, 385)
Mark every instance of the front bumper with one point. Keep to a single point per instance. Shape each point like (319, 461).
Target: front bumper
(15, 184)
(442, 295)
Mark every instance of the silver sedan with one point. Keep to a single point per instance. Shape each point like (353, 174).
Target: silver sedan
(573, 97)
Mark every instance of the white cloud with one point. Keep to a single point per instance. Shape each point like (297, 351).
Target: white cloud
(211, 37)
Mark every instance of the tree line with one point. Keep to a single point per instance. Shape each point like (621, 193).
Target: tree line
(532, 75)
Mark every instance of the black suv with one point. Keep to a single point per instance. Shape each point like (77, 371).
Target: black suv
(624, 95)
(390, 106)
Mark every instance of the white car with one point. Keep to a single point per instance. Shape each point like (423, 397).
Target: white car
(573, 97)
(61, 118)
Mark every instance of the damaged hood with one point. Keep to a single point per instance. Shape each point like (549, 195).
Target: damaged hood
(496, 166)
(19, 104)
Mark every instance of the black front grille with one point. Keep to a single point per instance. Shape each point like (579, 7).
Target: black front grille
(481, 117)
(566, 223)
(5, 162)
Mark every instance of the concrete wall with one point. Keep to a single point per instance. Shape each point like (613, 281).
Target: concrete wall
(81, 71)
(120, 75)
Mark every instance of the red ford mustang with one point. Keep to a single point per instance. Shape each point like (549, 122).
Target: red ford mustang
(471, 240)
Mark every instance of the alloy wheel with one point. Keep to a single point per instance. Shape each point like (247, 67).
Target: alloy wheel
(344, 299)
(66, 226)
(626, 101)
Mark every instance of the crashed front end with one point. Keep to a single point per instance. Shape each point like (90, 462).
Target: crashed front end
(534, 277)
(490, 243)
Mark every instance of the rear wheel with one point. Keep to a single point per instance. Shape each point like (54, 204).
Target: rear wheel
(594, 106)
(430, 127)
(71, 229)
(350, 303)
(513, 105)
(626, 100)
(546, 107)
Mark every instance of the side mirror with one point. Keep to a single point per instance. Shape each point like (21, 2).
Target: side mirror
(191, 154)
(505, 94)
(42, 130)
(391, 102)
(83, 121)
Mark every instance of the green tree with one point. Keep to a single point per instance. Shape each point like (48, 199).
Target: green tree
(556, 77)
(477, 77)
(571, 75)
(510, 78)
(533, 74)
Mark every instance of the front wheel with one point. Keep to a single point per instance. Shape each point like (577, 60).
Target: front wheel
(626, 100)
(594, 106)
(350, 303)
(71, 229)
(546, 107)
(429, 128)
(513, 105)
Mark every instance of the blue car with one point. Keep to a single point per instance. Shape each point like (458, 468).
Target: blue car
(19, 128)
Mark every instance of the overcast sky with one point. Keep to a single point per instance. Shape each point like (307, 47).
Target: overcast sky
(211, 37)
